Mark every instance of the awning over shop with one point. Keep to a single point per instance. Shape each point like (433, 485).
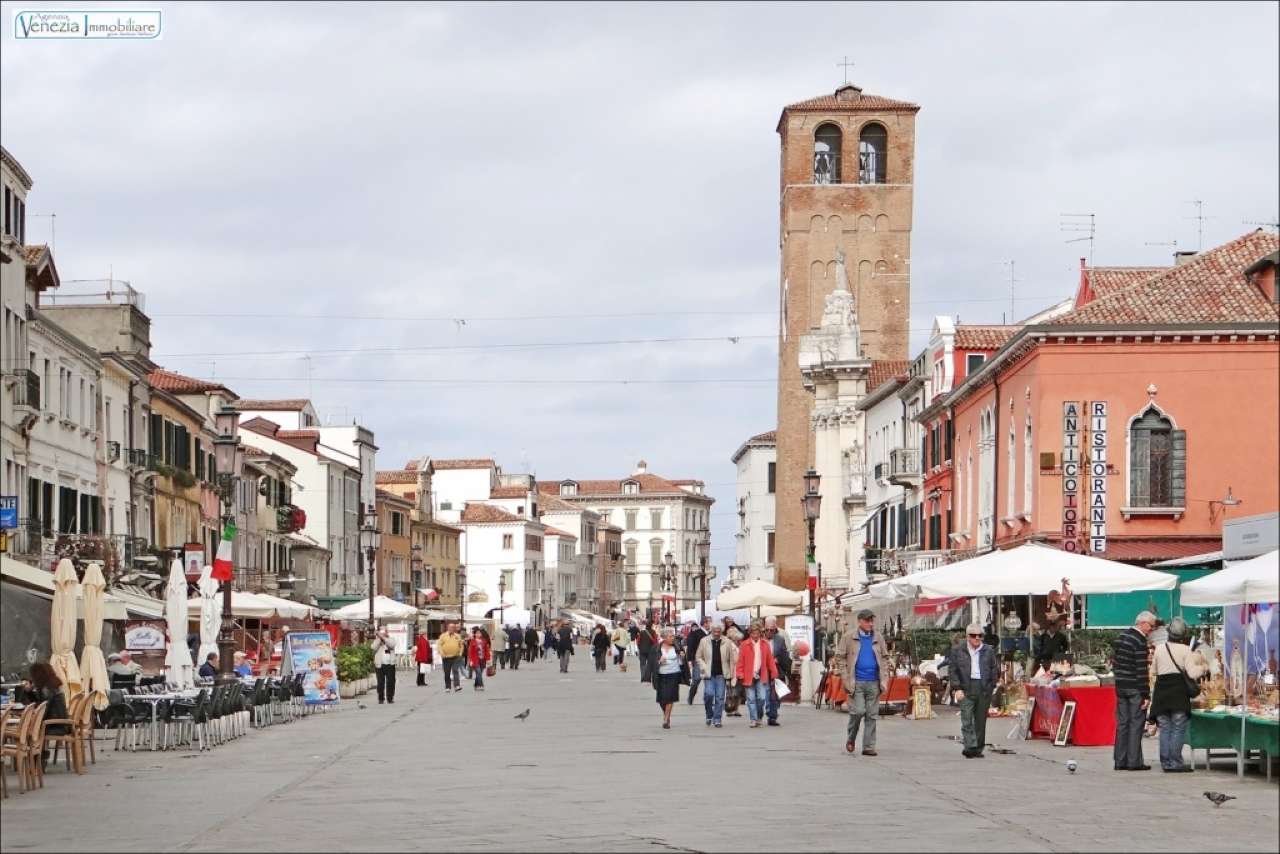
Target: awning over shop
(40, 582)
(938, 604)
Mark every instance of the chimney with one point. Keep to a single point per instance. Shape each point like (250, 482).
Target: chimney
(1180, 258)
(641, 468)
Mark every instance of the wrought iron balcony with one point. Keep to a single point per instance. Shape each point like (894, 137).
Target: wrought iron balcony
(26, 388)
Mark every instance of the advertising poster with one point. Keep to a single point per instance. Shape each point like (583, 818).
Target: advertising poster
(399, 633)
(800, 628)
(312, 653)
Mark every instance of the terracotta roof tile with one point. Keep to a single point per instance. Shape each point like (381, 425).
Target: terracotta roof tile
(556, 532)
(508, 492)
(850, 97)
(479, 513)
(884, 370)
(178, 383)
(383, 495)
(650, 484)
(1210, 288)
(440, 465)
(396, 476)
(1158, 548)
(983, 337)
(551, 503)
(31, 253)
(1105, 281)
(768, 436)
(287, 405)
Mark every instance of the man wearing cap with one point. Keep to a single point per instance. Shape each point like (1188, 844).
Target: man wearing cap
(864, 667)
(974, 671)
(1133, 692)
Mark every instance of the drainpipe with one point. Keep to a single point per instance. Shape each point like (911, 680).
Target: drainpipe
(995, 463)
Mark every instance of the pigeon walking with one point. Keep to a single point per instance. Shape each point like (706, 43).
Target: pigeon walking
(1071, 766)
(522, 715)
(1218, 799)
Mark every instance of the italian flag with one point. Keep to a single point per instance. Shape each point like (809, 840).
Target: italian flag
(222, 563)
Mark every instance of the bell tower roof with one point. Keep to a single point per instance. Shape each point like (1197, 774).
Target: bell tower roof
(848, 98)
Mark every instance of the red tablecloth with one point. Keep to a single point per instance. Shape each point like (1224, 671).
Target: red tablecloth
(1095, 719)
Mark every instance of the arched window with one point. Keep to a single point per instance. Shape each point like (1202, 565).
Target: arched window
(1157, 461)
(826, 154)
(873, 146)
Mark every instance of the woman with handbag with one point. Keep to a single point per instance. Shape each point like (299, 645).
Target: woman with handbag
(479, 655)
(666, 667)
(422, 656)
(1178, 671)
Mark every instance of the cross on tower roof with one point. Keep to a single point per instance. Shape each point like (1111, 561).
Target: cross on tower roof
(846, 65)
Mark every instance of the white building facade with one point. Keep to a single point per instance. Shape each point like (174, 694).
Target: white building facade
(497, 545)
(757, 462)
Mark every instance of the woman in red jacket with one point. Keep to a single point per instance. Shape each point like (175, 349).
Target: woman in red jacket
(422, 655)
(756, 672)
(478, 655)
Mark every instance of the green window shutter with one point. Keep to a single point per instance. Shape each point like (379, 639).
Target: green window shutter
(1140, 468)
(1179, 469)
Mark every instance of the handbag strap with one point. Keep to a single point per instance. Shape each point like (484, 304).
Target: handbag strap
(1177, 666)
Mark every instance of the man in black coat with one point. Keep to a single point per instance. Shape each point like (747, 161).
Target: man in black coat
(696, 634)
(974, 670)
(1051, 645)
(1133, 692)
(530, 643)
(515, 642)
(564, 645)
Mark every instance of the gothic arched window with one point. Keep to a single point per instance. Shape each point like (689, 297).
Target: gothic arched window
(826, 154)
(873, 145)
(1157, 461)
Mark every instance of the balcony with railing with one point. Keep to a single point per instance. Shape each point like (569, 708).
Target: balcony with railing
(904, 467)
(24, 385)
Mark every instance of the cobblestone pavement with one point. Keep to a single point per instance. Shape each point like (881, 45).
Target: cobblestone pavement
(591, 770)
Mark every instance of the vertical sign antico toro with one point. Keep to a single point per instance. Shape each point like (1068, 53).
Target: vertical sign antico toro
(1071, 475)
(1098, 476)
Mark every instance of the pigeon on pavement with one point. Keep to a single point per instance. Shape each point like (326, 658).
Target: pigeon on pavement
(1071, 766)
(361, 706)
(1218, 798)
(523, 715)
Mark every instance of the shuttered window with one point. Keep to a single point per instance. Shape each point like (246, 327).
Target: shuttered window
(1157, 462)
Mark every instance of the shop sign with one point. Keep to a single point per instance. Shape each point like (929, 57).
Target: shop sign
(1071, 475)
(1098, 476)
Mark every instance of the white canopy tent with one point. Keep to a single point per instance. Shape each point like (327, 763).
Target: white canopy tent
(1245, 582)
(383, 609)
(242, 605)
(758, 595)
(1027, 569)
(287, 608)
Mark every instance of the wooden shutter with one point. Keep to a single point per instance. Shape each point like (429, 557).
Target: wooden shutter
(199, 459)
(1178, 470)
(1140, 468)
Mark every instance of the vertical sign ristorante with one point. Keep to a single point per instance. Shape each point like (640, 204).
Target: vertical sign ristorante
(1098, 476)
(1070, 475)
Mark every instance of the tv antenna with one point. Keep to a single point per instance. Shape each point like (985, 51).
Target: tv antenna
(53, 229)
(1274, 226)
(1013, 281)
(1199, 218)
(1085, 224)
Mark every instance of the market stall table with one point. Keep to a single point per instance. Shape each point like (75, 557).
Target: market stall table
(1094, 724)
(1210, 730)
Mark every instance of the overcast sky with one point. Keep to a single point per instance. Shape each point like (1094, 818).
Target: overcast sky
(395, 169)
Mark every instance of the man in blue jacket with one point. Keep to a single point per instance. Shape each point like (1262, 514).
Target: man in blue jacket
(973, 671)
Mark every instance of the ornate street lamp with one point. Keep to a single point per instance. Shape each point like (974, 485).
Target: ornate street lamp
(812, 501)
(228, 457)
(502, 598)
(668, 584)
(370, 539)
(704, 549)
(415, 570)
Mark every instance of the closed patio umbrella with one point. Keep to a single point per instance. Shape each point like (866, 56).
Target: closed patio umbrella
(93, 667)
(62, 628)
(761, 597)
(178, 661)
(210, 613)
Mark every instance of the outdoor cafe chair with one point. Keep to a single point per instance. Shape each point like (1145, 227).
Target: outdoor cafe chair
(24, 747)
(261, 703)
(70, 737)
(192, 715)
(282, 700)
(122, 716)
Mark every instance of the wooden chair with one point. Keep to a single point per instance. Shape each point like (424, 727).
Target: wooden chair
(23, 745)
(72, 738)
(5, 717)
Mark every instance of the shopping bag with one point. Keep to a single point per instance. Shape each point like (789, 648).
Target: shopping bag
(423, 667)
(781, 688)
(490, 670)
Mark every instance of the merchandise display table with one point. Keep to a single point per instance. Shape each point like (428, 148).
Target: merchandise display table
(1209, 730)
(1095, 718)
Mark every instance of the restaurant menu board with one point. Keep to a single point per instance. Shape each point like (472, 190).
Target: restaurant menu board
(311, 653)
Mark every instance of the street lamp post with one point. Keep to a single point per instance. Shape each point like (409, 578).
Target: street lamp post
(370, 539)
(704, 549)
(502, 599)
(668, 583)
(415, 570)
(228, 456)
(812, 501)
(462, 595)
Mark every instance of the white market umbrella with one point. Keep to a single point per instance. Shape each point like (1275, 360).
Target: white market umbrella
(62, 628)
(287, 608)
(760, 594)
(383, 609)
(243, 604)
(210, 613)
(1025, 570)
(1243, 582)
(93, 667)
(178, 660)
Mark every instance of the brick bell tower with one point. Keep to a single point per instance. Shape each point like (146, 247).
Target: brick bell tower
(848, 162)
